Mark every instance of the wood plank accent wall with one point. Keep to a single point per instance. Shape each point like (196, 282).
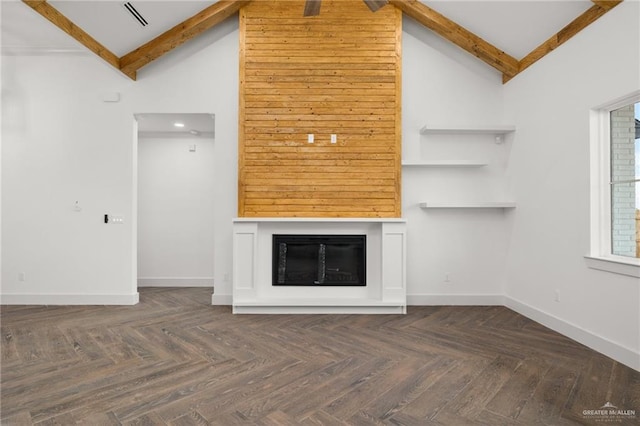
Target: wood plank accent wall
(336, 73)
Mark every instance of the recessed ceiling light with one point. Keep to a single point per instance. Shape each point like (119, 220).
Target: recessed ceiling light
(177, 124)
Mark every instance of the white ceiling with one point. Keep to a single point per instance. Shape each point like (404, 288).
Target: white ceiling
(22, 30)
(111, 24)
(196, 125)
(515, 26)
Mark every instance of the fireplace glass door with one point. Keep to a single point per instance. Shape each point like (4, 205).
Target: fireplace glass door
(319, 260)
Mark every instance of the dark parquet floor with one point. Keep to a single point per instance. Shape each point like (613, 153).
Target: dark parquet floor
(176, 360)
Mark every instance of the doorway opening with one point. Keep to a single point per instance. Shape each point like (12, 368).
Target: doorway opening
(175, 204)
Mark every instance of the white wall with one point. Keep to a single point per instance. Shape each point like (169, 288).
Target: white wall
(175, 212)
(442, 85)
(64, 144)
(550, 105)
(61, 143)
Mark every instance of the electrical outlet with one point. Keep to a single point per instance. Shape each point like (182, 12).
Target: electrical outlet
(310, 138)
(447, 277)
(225, 278)
(334, 138)
(557, 293)
(22, 276)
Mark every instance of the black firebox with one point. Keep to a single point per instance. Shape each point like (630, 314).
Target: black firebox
(319, 260)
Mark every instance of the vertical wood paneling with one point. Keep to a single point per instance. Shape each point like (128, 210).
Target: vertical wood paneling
(336, 73)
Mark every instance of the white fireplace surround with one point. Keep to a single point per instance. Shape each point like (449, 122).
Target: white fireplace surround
(385, 290)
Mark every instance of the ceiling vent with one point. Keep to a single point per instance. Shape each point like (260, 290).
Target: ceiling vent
(133, 12)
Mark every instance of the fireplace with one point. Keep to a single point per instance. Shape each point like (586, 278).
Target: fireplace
(319, 260)
(379, 243)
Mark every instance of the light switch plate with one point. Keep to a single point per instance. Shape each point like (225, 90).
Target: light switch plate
(116, 219)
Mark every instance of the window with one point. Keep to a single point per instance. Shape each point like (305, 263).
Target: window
(625, 175)
(615, 186)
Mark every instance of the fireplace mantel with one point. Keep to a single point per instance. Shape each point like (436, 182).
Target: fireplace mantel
(384, 293)
(318, 220)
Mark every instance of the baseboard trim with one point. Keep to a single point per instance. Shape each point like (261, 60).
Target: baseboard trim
(221, 299)
(70, 299)
(175, 282)
(455, 300)
(340, 310)
(613, 350)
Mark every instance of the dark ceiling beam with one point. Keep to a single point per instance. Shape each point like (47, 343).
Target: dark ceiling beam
(509, 66)
(180, 34)
(607, 4)
(458, 35)
(62, 22)
(574, 27)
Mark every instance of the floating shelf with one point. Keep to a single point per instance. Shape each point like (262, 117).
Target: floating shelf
(469, 205)
(467, 130)
(444, 163)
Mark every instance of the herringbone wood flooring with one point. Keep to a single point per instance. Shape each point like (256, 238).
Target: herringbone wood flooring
(175, 359)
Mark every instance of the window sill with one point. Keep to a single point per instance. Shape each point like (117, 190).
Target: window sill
(616, 265)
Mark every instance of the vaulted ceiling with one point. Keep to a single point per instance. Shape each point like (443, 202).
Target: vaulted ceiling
(507, 35)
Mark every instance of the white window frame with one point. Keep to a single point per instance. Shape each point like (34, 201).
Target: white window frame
(600, 255)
